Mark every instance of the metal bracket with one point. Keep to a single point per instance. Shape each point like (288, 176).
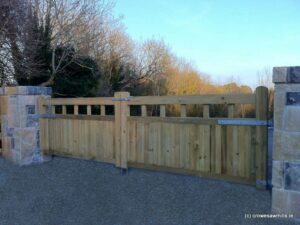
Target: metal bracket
(243, 122)
(122, 99)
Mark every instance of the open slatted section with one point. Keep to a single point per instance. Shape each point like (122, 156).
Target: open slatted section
(193, 145)
(85, 134)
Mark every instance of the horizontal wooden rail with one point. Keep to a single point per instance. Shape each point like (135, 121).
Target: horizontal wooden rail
(158, 100)
(78, 117)
(202, 99)
(80, 101)
(198, 120)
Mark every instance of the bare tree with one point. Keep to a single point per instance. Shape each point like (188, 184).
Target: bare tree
(153, 63)
(18, 43)
(75, 25)
(264, 77)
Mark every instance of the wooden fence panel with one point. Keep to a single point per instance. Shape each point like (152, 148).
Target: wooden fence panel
(86, 139)
(234, 150)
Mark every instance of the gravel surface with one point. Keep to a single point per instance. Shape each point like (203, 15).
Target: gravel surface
(70, 192)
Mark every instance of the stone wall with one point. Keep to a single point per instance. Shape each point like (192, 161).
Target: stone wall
(20, 123)
(286, 147)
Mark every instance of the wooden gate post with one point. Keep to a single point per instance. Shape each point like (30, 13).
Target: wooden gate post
(261, 112)
(121, 114)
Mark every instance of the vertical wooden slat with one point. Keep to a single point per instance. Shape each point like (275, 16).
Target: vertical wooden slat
(224, 149)
(133, 140)
(194, 146)
(183, 110)
(89, 110)
(64, 138)
(159, 144)
(110, 143)
(213, 149)
(152, 143)
(235, 150)
(64, 110)
(53, 109)
(205, 111)
(76, 137)
(177, 146)
(200, 149)
(261, 104)
(218, 149)
(102, 110)
(93, 138)
(75, 109)
(162, 110)
(166, 144)
(140, 142)
(253, 153)
(144, 110)
(147, 152)
(184, 146)
(244, 150)
(71, 137)
(101, 135)
(231, 109)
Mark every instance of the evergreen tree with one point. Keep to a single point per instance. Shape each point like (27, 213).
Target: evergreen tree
(78, 78)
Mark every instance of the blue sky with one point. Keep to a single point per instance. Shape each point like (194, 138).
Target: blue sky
(223, 38)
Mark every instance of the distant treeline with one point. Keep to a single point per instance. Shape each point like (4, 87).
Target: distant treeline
(80, 49)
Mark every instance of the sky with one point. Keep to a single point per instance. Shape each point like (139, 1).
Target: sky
(223, 38)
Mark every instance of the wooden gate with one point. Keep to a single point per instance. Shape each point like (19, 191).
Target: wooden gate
(229, 148)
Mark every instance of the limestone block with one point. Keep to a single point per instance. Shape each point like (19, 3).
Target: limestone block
(32, 121)
(13, 156)
(277, 174)
(27, 90)
(27, 104)
(286, 145)
(293, 75)
(39, 90)
(292, 176)
(13, 114)
(280, 74)
(10, 90)
(291, 118)
(29, 156)
(7, 132)
(280, 101)
(25, 138)
(287, 202)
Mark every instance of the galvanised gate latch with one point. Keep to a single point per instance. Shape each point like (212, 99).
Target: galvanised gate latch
(122, 99)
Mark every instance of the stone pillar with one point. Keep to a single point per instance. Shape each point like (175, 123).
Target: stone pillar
(20, 123)
(286, 144)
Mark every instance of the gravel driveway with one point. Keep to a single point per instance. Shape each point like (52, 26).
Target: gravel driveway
(70, 192)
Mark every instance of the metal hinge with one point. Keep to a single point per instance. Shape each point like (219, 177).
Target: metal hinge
(243, 122)
(122, 99)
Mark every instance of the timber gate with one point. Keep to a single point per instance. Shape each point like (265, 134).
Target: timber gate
(229, 148)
